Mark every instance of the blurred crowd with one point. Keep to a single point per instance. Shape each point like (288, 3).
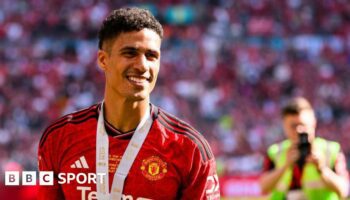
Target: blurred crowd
(226, 67)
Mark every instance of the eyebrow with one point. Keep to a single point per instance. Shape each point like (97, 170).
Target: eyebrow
(128, 48)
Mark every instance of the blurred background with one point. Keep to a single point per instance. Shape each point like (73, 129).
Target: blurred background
(226, 68)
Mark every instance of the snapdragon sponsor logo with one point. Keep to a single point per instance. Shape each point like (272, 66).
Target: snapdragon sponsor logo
(47, 178)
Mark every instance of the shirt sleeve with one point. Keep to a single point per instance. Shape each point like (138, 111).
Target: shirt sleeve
(45, 163)
(202, 182)
(268, 164)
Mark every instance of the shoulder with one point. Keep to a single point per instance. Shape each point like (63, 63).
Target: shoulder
(277, 148)
(329, 145)
(183, 129)
(333, 153)
(77, 118)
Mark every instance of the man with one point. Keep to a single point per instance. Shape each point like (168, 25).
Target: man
(146, 152)
(311, 169)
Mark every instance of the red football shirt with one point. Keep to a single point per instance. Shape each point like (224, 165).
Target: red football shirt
(175, 161)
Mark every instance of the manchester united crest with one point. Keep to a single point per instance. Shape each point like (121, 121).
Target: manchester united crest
(153, 168)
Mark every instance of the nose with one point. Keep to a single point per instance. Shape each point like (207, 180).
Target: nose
(142, 63)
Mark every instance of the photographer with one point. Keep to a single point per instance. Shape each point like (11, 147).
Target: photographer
(304, 166)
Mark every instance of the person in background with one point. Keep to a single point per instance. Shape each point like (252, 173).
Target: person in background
(304, 166)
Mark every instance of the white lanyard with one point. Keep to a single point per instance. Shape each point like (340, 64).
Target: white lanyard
(102, 154)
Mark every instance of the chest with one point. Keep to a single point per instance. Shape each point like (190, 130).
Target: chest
(156, 172)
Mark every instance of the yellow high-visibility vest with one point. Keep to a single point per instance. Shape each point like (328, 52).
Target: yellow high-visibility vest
(311, 184)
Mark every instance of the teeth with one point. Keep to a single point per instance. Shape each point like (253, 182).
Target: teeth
(137, 79)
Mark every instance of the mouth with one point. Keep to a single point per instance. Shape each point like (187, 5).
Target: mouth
(138, 80)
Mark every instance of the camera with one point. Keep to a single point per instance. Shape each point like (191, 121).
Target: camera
(304, 148)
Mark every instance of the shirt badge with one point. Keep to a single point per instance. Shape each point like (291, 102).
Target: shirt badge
(153, 168)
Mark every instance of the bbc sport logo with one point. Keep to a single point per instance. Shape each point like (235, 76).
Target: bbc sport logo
(13, 178)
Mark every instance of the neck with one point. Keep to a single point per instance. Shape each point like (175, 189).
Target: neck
(123, 114)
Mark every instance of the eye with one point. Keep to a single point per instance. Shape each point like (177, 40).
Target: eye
(129, 53)
(151, 56)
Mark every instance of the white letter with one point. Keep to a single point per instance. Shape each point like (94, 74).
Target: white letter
(46, 178)
(83, 189)
(92, 195)
(70, 177)
(12, 178)
(61, 178)
(84, 178)
(29, 178)
(101, 175)
(91, 178)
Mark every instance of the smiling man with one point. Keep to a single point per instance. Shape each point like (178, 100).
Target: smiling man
(126, 147)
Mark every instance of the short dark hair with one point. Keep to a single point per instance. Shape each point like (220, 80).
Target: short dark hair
(127, 20)
(295, 106)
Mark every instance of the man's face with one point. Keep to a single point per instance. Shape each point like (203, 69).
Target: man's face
(131, 64)
(305, 121)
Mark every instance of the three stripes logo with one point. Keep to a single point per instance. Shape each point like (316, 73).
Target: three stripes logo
(80, 163)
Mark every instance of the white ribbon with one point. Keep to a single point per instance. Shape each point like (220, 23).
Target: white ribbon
(102, 156)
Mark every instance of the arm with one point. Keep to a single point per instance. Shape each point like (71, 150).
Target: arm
(45, 156)
(337, 180)
(269, 179)
(202, 182)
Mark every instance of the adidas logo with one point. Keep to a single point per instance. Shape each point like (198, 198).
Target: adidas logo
(80, 163)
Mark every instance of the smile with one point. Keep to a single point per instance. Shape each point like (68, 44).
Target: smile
(138, 80)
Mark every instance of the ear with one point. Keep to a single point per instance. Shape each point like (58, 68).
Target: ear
(102, 59)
